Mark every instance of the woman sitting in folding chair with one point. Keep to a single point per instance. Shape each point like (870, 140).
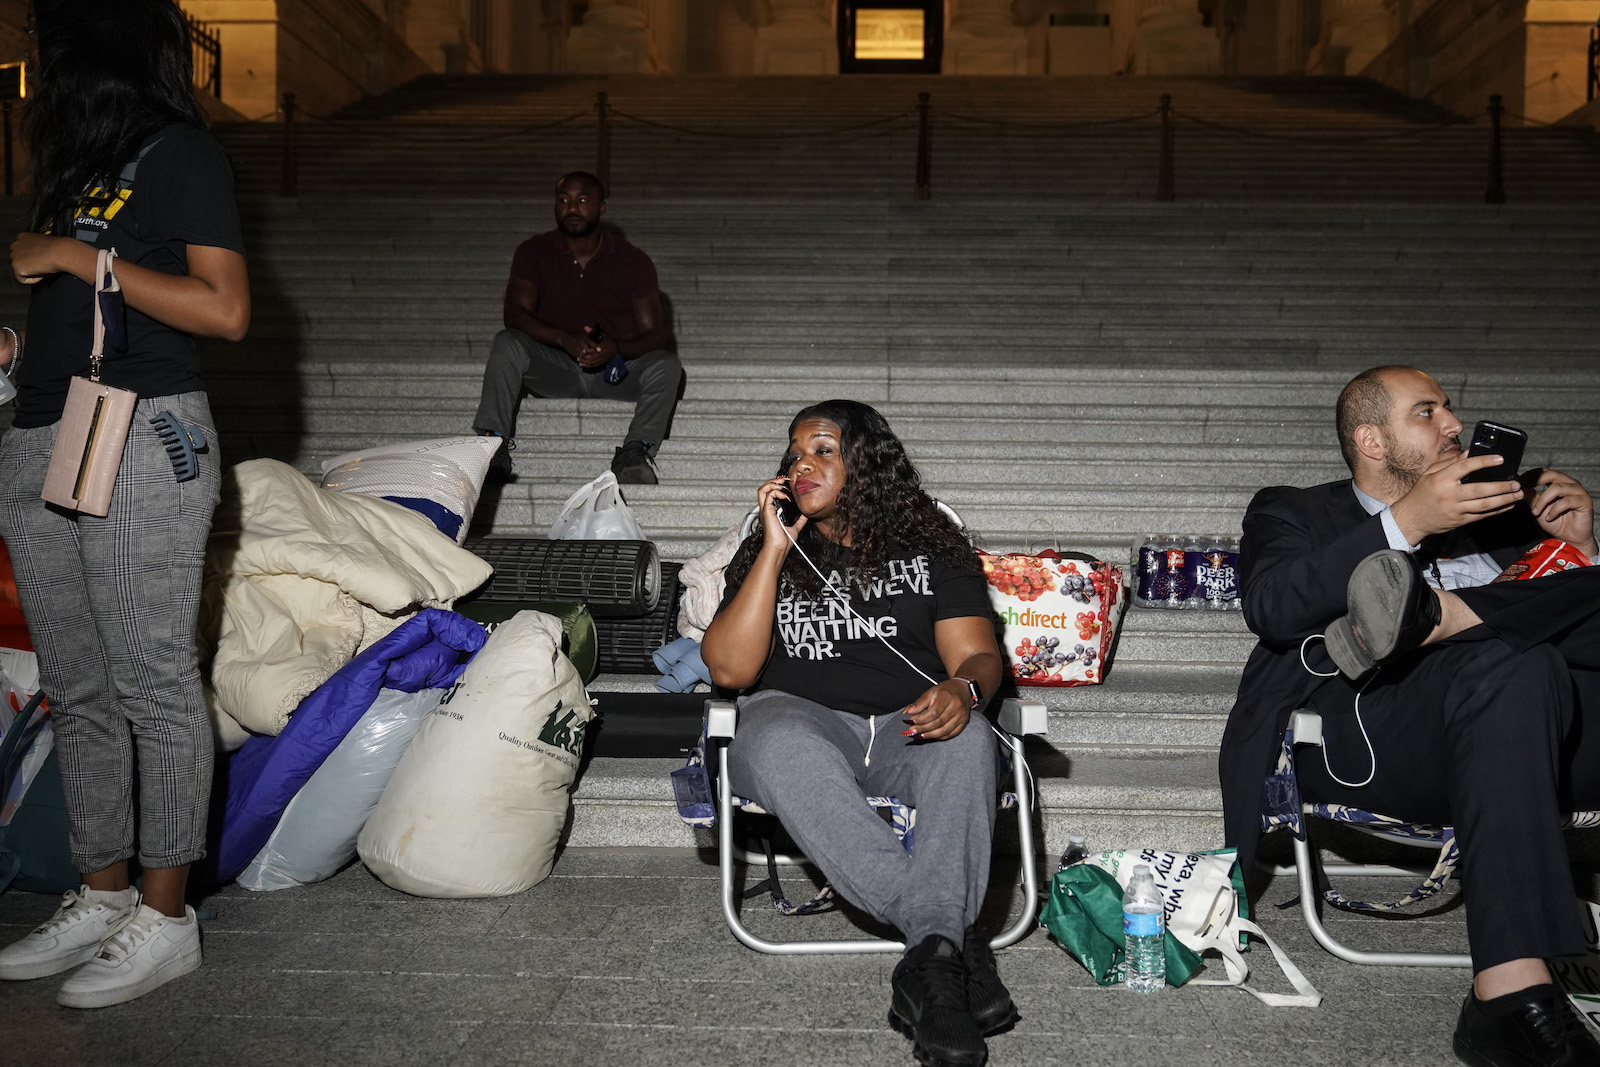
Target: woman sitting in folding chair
(863, 633)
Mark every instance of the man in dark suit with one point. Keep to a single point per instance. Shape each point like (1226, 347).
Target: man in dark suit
(1478, 727)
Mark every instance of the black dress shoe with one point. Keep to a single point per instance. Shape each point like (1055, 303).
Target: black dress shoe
(1542, 1032)
(930, 1006)
(987, 996)
(1389, 610)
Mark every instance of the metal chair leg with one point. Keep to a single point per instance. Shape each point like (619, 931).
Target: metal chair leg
(1030, 876)
(1306, 869)
(728, 854)
(726, 859)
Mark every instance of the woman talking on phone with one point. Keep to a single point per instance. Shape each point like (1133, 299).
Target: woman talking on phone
(866, 667)
(121, 160)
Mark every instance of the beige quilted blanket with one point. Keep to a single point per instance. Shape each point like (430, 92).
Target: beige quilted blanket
(299, 579)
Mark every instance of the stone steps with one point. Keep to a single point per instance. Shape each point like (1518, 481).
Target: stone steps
(1312, 140)
(1071, 351)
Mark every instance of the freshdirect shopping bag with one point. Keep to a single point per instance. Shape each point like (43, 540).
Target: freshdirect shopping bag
(596, 512)
(1058, 613)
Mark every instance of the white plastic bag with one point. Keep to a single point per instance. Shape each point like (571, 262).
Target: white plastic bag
(596, 512)
(318, 831)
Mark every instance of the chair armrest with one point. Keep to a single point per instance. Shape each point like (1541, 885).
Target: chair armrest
(1306, 726)
(722, 718)
(1024, 718)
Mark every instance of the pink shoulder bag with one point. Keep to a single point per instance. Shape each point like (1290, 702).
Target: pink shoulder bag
(94, 423)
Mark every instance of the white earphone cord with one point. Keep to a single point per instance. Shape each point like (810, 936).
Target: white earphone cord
(829, 586)
(1372, 756)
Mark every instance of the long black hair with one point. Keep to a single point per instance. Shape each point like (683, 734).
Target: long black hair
(882, 502)
(111, 72)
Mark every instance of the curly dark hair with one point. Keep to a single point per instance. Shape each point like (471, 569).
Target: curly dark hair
(882, 502)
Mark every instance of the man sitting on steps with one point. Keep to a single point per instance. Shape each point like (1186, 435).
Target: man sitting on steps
(1444, 699)
(583, 319)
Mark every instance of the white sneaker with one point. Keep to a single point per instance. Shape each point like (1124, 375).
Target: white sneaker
(70, 938)
(144, 950)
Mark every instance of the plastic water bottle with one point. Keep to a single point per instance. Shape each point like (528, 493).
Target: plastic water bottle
(1144, 925)
(1077, 851)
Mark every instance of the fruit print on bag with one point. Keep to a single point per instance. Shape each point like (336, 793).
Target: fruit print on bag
(1046, 638)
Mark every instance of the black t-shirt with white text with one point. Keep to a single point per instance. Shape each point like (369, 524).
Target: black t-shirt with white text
(825, 654)
(176, 191)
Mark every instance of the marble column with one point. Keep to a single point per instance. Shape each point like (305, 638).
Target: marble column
(984, 38)
(614, 38)
(798, 37)
(1169, 37)
(1353, 33)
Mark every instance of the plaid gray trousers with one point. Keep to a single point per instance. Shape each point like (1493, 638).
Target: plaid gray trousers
(111, 606)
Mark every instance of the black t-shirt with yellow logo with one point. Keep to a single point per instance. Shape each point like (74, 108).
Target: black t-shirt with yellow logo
(177, 191)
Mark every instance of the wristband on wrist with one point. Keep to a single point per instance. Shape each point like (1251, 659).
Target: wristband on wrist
(16, 350)
(975, 689)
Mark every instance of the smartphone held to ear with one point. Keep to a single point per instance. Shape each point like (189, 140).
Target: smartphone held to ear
(1493, 439)
(788, 510)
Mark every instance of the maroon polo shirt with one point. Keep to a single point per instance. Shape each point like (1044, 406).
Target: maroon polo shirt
(572, 297)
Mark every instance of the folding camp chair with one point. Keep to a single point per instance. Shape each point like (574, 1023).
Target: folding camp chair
(1017, 719)
(1284, 809)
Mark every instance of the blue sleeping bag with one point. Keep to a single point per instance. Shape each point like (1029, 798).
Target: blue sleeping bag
(427, 651)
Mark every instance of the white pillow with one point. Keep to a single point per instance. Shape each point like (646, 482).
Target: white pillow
(439, 478)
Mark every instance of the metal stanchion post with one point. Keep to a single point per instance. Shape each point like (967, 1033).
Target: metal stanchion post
(602, 140)
(291, 177)
(1165, 167)
(5, 107)
(1496, 193)
(924, 149)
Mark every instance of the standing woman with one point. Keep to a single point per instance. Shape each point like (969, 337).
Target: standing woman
(121, 160)
(867, 679)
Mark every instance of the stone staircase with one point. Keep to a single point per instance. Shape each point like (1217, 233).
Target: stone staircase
(1050, 343)
(840, 139)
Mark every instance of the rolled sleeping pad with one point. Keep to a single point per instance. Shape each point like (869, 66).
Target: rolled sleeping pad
(627, 646)
(616, 579)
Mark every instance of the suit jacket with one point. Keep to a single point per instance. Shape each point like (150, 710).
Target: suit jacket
(1295, 559)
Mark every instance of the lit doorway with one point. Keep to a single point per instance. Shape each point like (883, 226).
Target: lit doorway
(890, 36)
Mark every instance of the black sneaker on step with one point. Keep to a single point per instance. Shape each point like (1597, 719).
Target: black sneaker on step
(930, 1006)
(987, 997)
(1541, 1031)
(500, 470)
(633, 465)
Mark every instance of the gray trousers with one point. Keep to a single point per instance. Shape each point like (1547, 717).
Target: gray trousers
(111, 606)
(518, 363)
(810, 766)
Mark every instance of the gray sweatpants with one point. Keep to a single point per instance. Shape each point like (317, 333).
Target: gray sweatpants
(111, 606)
(810, 766)
(517, 362)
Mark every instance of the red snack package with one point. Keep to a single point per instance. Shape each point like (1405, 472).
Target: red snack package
(1549, 556)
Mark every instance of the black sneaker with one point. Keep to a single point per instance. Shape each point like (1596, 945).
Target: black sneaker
(633, 465)
(500, 470)
(987, 997)
(1389, 611)
(930, 1006)
(1542, 1031)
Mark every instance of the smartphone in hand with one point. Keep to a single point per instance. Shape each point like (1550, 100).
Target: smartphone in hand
(1494, 439)
(788, 510)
